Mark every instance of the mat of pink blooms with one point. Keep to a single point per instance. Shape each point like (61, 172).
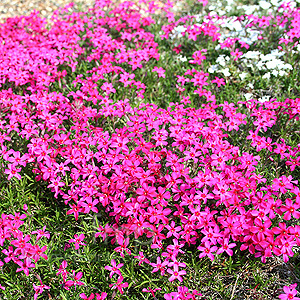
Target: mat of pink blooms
(168, 175)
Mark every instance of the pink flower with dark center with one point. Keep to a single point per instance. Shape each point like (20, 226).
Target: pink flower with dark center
(114, 269)
(289, 293)
(78, 240)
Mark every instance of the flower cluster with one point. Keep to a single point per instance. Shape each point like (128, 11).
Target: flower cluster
(171, 176)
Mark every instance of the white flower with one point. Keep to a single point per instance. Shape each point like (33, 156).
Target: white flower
(180, 28)
(221, 12)
(267, 76)
(250, 85)
(267, 57)
(260, 65)
(288, 66)
(246, 40)
(249, 9)
(264, 4)
(276, 52)
(243, 75)
(248, 96)
(251, 54)
(182, 58)
(272, 64)
(275, 2)
(213, 69)
(254, 36)
(221, 60)
(264, 99)
(275, 73)
(225, 72)
(198, 18)
(282, 73)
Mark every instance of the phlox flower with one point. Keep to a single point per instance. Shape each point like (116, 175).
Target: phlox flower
(114, 269)
(226, 247)
(218, 160)
(78, 241)
(38, 289)
(160, 71)
(76, 280)
(283, 183)
(16, 159)
(11, 255)
(207, 250)
(291, 209)
(56, 184)
(40, 233)
(108, 88)
(141, 257)
(25, 265)
(159, 266)
(149, 290)
(12, 171)
(218, 81)
(237, 54)
(63, 270)
(92, 296)
(289, 293)
(119, 285)
(176, 274)
(173, 230)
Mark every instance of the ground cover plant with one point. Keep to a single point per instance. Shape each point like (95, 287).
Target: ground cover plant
(150, 150)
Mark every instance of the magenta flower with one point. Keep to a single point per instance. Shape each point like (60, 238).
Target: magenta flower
(175, 274)
(119, 285)
(289, 293)
(78, 241)
(38, 289)
(114, 269)
(76, 280)
(40, 233)
(92, 296)
(160, 71)
(12, 171)
(207, 250)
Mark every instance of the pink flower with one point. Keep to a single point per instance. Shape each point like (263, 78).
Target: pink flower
(226, 247)
(289, 293)
(142, 258)
(78, 241)
(56, 184)
(76, 280)
(40, 233)
(237, 54)
(12, 171)
(218, 81)
(152, 291)
(175, 274)
(119, 285)
(92, 296)
(207, 250)
(160, 72)
(38, 289)
(114, 269)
